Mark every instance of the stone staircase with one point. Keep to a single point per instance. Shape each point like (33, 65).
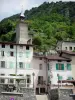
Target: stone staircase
(41, 97)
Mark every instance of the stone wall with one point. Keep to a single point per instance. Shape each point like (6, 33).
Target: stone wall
(60, 94)
(23, 94)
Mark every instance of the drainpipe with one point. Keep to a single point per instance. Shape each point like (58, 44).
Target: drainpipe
(16, 62)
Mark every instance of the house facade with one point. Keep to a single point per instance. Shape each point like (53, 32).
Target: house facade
(66, 45)
(38, 70)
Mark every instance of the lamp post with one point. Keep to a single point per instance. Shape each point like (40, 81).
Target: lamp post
(33, 78)
(58, 80)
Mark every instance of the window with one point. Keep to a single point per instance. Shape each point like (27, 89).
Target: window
(21, 80)
(27, 54)
(68, 66)
(11, 53)
(59, 66)
(48, 66)
(40, 58)
(70, 48)
(11, 46)
(11, 64)
(70, 78)
(11, 80)
(2, 53)
(20, 54)
(48, 79)
(21, 65)
(65, 48)
(40, 79)
(28, 66)
(3, 45)
(28, 78)
(2, 80)
(2, 64)
(21, 46)
(40, 66)
(27, 47)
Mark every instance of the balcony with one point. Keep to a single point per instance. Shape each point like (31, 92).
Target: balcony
(41, 83)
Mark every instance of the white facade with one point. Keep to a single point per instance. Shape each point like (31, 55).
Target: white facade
(53, 72)
(66, 45)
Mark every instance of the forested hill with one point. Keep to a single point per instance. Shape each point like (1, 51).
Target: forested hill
(49, 23)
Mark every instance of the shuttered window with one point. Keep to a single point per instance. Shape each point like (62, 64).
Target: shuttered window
(28, 66)
(59, 66)
(27, 53)
(11, 64)
(69, 78)
(60, 77)
(68, 66)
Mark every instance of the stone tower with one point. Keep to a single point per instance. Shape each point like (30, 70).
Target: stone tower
(22, 36)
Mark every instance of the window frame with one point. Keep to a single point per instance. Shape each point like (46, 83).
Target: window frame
(2, 64)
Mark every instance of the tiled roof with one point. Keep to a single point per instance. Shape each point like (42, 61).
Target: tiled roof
(67, 52)
(12, 43)
(52, 57)
(57, 57)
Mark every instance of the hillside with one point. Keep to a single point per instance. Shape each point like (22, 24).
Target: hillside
(50, 22)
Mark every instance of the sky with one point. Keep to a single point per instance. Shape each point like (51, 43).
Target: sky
(11, 7)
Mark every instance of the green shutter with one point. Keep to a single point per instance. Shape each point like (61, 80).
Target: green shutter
(11, 65)
(8, 53)
(59, 77)
(27, 53)
(68, 66)
(70, 78)
(56, 66)
(27, 66)
(62, 66)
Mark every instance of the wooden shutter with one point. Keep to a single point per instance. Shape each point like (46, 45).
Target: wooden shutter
(56, 66)
(68, 66)
(62, 66)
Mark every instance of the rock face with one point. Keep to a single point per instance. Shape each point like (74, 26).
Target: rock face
(60, 94)
(23, 94)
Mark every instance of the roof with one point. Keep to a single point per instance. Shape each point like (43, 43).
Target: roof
(67, 41)
(67, 52)
(52, 57)
(12, 43)
(57, 57)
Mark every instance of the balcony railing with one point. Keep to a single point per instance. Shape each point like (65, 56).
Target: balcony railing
(41, 83)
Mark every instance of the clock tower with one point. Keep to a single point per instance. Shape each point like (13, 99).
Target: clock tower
(22, 36)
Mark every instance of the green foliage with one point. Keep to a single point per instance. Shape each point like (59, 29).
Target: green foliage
(50, 23)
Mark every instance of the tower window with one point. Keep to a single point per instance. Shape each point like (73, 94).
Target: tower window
(3, 45)
(11, 46)
(2, 53)
(11, 53)
(27, 47)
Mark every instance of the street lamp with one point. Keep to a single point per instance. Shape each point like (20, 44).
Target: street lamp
(58, 80)
(33, 78)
